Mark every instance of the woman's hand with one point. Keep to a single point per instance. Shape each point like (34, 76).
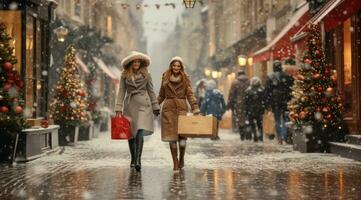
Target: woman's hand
(156, 112)
(196, 113)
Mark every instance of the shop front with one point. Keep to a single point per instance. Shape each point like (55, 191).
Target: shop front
(342, 45)
(340, 24)
(28, 25)
(281, 46)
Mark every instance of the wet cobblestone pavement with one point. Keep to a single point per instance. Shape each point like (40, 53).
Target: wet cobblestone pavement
(224, 169)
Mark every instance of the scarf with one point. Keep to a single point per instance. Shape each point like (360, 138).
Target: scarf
(174, 79)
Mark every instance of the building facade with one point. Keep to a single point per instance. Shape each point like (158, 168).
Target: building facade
(120, 31)
(236, 29)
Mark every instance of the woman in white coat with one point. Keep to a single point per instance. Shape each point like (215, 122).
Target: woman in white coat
(137, 101)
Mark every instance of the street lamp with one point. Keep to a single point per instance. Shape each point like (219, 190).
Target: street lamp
(242, 60)
(207, 72)
(214, 74)
(61, 32)
(189, 3)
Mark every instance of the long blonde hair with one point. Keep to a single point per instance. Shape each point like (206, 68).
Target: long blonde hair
(128, 72)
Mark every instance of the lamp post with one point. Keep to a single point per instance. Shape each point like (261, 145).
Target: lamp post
(250, 61)
(189, 3)
(61, 32)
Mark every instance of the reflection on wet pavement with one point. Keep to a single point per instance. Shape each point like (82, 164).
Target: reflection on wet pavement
(225, 169)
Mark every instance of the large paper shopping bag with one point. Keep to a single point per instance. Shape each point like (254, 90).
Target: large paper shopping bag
(269, 123)
(197, 126)
(226, 122)
(120, 129)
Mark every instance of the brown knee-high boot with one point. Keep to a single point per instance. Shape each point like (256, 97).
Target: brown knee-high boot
(174, 152)
(182, 151)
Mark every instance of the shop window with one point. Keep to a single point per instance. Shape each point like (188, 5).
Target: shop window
(35, 92)
(12, 20)
(30, 81)
(109, 26)
(40, 70)
(347, 66)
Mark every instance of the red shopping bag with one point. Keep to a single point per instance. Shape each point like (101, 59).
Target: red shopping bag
(120, 128)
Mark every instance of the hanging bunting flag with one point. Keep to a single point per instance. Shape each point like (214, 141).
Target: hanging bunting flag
(124, 5)
(170, 4)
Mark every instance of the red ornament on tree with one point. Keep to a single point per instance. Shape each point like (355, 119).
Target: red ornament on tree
(327, 71)
(59, 88)
(18, 109)
(320, 88)
(4, 109)
(302, 114)
(330, 90)
(81, 93)
(325, 109)
(300, 77)
(317, 76)
(328, 117)
(317, 52)
(44, 123)
(308, 61)
(7, 66)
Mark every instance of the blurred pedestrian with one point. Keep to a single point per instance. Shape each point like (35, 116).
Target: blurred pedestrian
(236, 102)
(278, 91)
(213, 103)
(200, 91)
(137, 100)
(255, 107)
(174, 93)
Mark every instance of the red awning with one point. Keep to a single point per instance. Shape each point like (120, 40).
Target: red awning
(332, 14)
(262, 57)
(281, 46)
(344, 10)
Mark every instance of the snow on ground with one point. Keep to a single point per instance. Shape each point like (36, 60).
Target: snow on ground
(229, 152)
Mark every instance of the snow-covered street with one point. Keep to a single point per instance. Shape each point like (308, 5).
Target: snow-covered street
(224, 169)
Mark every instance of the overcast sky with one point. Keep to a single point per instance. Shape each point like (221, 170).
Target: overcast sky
(158, 23)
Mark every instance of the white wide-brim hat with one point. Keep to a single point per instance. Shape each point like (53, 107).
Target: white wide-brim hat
(135, 55)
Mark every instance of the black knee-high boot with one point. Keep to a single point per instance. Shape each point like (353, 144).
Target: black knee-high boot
(131, 144)
(138, 150)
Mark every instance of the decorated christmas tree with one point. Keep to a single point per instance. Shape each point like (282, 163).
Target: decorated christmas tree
(70, 100)
(11, 88)
(316, 106)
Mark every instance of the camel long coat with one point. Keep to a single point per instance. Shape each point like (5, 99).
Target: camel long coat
(174, 97)
(138, 100)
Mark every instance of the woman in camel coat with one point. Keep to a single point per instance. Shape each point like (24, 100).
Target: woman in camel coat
(137, 100)
(174, 93)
